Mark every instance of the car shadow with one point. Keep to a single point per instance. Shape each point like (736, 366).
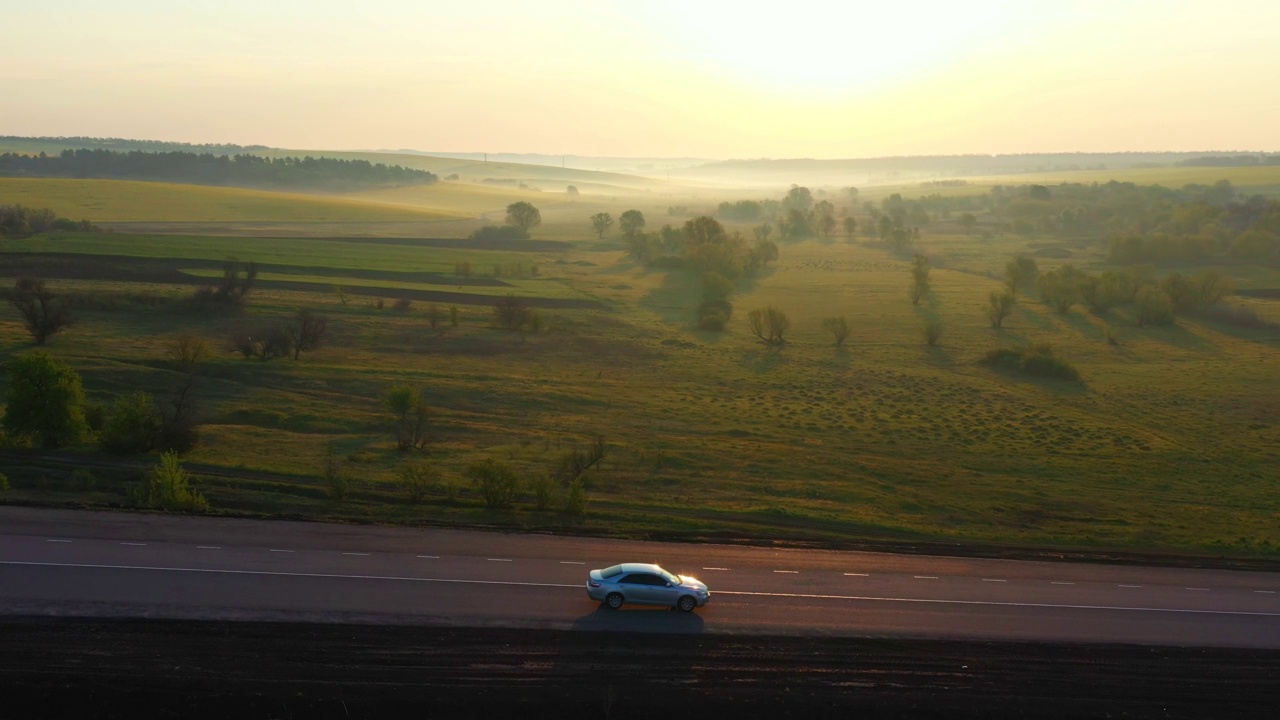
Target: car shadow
(640, 619)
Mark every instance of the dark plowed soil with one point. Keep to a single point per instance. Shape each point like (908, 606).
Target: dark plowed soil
(128, 669)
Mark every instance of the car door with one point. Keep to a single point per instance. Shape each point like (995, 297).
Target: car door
(641, 588)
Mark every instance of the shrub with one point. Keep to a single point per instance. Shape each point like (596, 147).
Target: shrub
(499, 232)
(337, 483)
(496, 483)
(838, 327)
(402, 305)
(4, 483)
(411, 415)
(544, 490)
(1000, 305)
(510, 312)
(420, 480)
(715, 286)
(453, 315)
(713, 315)
(1037, 360)
(133, 426)
(1154, 307)
(1241, 316)
(169, 487)
(575, 502)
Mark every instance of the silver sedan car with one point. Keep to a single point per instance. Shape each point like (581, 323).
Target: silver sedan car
(645, 584)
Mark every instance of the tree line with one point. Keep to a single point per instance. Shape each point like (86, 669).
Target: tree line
(241, 170)
(18, 221)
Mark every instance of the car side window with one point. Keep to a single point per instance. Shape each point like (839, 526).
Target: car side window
(633, 579)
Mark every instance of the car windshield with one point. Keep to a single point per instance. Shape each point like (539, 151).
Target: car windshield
(674, 580)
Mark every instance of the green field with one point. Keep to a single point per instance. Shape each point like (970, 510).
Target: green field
(111, 201)
(1169, 442)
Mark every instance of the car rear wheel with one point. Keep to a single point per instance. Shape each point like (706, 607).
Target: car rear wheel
(686, 604)
(614, 601)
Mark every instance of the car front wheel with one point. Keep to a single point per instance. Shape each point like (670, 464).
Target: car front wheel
(614, 601)
(686, 604)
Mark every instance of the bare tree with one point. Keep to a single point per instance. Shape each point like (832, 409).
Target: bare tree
(42, 313)
(838, 327)
(770, 325)
(1000, 305)
(305, 330)
(187, 351)
(510, 312)
(919, 278)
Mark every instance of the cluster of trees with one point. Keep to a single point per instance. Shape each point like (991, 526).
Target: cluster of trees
(18, 221)
(242, 170)
(45, 407)
(303, 331)
(521, 217)
(717, 258)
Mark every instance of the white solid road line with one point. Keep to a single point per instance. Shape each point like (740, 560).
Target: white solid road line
(575, 586)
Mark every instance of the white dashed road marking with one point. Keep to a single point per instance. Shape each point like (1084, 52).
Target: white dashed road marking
(275, 550)
(855, 575)
(714, 568)
(208, 547)
(499, 559)
(926, 577)
(993, 580)
(1266, 592)
(66, 541)
(1129, 586)
(788, 572)
(1200, 589)
(430, 557)
(134, 544)
(571, 562)
(358, 554)
(1056, 582)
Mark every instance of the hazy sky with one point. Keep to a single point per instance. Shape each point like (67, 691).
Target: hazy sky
(651, 77)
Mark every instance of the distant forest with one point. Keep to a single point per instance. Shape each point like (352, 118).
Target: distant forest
(1232, 161)
(314, 174)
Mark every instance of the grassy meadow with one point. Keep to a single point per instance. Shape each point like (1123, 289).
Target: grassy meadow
(1170, 440)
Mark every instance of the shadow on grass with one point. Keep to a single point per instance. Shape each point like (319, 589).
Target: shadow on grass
(763, 360)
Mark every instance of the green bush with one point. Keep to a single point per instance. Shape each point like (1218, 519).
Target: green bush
(497, 484)
(169, 487)
(1037, 360)
(713, 315)
(45, 402)
(4, 482)
(420, 480)
(132, 427)
(1155, 307)
(544, 491)
(575, 503)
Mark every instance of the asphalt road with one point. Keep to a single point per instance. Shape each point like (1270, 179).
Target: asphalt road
(69, 563)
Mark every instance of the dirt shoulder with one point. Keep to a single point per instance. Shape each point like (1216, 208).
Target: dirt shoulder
(93, 668)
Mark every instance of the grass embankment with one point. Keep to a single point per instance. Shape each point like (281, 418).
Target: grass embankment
(1168, 441)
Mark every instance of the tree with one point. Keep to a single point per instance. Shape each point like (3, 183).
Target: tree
(601, 222)
(42, 313)
(169, 487)
(838, 327)
(770, 325)
(45, 402)
(762, 231)
(523, 215)
(188, 351)
(1154, 307)
(237, 281)
(1020, 274)
(631, 222)
(1000, 305)
(411, 414)
(850, 227)
(798, 198)
(305, 331)
(919, 278)
(419, 480)
(931, 328)
(510, 312)
(571, 191)
(133, 426)
(496, 483)
(967, 222)
(824, 218)
(575, 502)
(336, 482)
(544, 491)
(1060, 289)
